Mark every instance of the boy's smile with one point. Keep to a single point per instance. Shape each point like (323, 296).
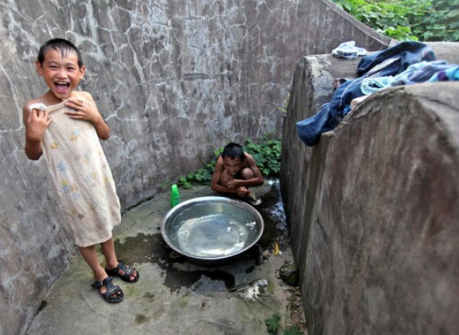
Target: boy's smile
(232, 166)
(61, 73)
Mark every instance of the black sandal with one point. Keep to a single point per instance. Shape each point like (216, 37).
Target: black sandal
(113, 294)
(127, 272)
(254, 199)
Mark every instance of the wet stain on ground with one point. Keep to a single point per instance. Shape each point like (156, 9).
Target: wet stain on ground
(207, 276)
(276, 229)
(182, 272)
(142, 249)
(140, 318)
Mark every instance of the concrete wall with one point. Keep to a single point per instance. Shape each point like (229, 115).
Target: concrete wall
(373, 207)
(175, 80)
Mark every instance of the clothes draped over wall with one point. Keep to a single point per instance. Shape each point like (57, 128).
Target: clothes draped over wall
(403, 64)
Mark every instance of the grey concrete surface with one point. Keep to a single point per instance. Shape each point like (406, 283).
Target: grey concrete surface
(175, 80)
(174, 295)
(373, 208)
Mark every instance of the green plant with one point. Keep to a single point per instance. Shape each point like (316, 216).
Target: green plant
(293, 330)
(272, 324)
(164, 185)
(202, 175)
(428, 20)
(267, 154)
(184, 182)
(440, 22)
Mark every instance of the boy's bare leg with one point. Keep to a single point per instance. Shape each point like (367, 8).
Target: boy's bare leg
(90, 256)
(108, 249)
(247, 173)
(225, 178)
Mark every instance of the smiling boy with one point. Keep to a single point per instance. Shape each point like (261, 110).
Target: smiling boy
(62, 70)
(65, 126)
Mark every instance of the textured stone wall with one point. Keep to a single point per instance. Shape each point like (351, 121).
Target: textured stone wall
(174, 80)
(373, 207)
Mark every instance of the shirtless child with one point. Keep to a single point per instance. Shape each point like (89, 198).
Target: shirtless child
(235, 171)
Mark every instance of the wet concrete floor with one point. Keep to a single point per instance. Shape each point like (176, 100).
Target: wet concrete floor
(174, 294)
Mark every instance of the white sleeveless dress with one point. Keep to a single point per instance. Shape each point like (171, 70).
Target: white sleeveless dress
(82, 177)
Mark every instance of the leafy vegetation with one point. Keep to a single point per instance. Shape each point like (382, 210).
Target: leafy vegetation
(267, 154)
(441, 23)
(426, 20)
(272, 324)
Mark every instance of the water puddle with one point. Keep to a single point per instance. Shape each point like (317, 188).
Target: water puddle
(210, 276)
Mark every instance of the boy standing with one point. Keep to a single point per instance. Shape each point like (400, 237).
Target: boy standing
(235, 171)
(65, 126)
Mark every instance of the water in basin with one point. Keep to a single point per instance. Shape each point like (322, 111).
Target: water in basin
(213, 230)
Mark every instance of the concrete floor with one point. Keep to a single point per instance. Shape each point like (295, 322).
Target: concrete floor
(175, 295)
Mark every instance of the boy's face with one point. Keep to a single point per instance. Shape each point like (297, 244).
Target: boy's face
(61, 73)
(232, 166)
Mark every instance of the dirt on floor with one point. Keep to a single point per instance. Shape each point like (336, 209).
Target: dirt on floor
(296, 310)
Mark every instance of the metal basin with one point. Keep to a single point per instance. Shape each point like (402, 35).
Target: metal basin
(212, 228)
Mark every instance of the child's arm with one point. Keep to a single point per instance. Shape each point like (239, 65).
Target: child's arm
(36, 121)
(85, 109)
(219, 184)
(215, 181)
(257, 178)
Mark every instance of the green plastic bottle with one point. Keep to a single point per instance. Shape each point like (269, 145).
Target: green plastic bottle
(175, 195)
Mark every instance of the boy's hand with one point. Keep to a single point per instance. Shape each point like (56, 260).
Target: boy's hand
(232, 184)
(242, 192)
(87, 110)
(36, 123)
(82, 110)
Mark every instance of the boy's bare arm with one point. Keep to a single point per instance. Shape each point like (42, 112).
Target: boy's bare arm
(85, 108)
(215, 181)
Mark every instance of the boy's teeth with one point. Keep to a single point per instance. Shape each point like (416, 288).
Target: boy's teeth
(61, 87)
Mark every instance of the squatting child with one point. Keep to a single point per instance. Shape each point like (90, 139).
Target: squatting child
(65, 126)
(235, 171)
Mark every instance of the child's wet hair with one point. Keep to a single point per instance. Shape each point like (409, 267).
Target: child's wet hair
(233, 150)
(64, 46)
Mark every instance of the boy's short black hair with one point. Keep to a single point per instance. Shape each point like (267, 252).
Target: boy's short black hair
(233, 151)
(64, 46)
